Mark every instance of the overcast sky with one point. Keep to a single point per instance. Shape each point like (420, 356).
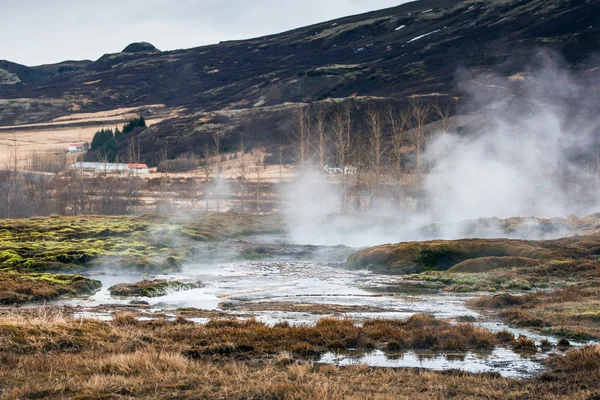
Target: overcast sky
(35, 32)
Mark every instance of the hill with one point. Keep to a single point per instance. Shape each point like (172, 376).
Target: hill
(417, 47)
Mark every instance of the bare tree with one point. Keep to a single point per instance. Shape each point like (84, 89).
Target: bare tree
(321, 133)
(243, 174)
(443, 112)
(420, 112)
(357, 156)
(342, 125)
(303, 133)
(12, 190)
(258, 167)
(216, 138)
(207, 172)
(164, 186)
(132, 188)
(280, 150)
(398, 124)
(377, 146)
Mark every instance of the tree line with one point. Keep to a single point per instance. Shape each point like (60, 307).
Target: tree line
(105, 144)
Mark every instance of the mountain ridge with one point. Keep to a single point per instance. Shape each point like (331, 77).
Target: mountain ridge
(414, 48)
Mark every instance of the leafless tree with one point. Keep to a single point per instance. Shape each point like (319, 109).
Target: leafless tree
(258, 167)
(357, 156)
(321, 133)
(398, 123)
(216, 138)
(377, 147)
(420, 112)
(131, 194)
(342, 126)
(207, 172)
(243, 174)
(164, 186)
(11, 191)
(280, 150)
(443, 112)
(303, 133)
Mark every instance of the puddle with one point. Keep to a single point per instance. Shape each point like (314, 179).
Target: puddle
(501, 360)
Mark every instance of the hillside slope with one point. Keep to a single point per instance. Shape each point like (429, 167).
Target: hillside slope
(417, 47)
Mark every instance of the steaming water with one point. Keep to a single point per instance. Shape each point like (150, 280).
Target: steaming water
(315, 281)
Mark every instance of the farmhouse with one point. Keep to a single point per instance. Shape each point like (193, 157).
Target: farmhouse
(138, 168)
(76, 147)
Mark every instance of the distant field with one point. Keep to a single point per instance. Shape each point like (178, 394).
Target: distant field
(55, 136)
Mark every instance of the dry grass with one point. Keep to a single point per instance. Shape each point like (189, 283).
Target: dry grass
(130, 359)
(239, 339)
(18, 288)
(45, 354)
(572, 312)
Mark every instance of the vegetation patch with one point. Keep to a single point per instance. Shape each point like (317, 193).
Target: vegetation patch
(147, 243)
(18, 288)
(147, 288)
(573, 312)
(442, 255)
(48, 355)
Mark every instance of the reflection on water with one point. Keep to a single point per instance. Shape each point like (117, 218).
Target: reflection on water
(501, 360)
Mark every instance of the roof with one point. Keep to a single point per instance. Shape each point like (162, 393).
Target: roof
(137, 166)
(99, 165)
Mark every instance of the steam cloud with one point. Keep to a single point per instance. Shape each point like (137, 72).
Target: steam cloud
(536, 154)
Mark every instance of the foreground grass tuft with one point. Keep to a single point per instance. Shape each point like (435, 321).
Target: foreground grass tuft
(46, 354)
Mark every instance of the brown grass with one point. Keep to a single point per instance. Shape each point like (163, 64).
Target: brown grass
(45, 354)
(572, 312)
(16, 288)
(234, 338)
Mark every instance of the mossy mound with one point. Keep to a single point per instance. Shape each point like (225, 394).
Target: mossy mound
(147, 288)
(441, 255)
(17, 288)
(485, 264)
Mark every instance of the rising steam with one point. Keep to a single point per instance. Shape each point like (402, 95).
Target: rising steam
(535, 155)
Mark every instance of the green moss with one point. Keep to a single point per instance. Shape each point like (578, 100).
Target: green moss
(437, 258)
(148, 288)
(10, 258)
(146, 243)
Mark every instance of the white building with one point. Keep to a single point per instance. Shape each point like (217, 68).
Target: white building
(138, 168)
(76, 147)
(336, 169)
(100, 167)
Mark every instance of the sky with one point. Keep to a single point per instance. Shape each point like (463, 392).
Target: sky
(36, 32)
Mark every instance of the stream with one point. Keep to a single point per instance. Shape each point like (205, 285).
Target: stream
(301, 284)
